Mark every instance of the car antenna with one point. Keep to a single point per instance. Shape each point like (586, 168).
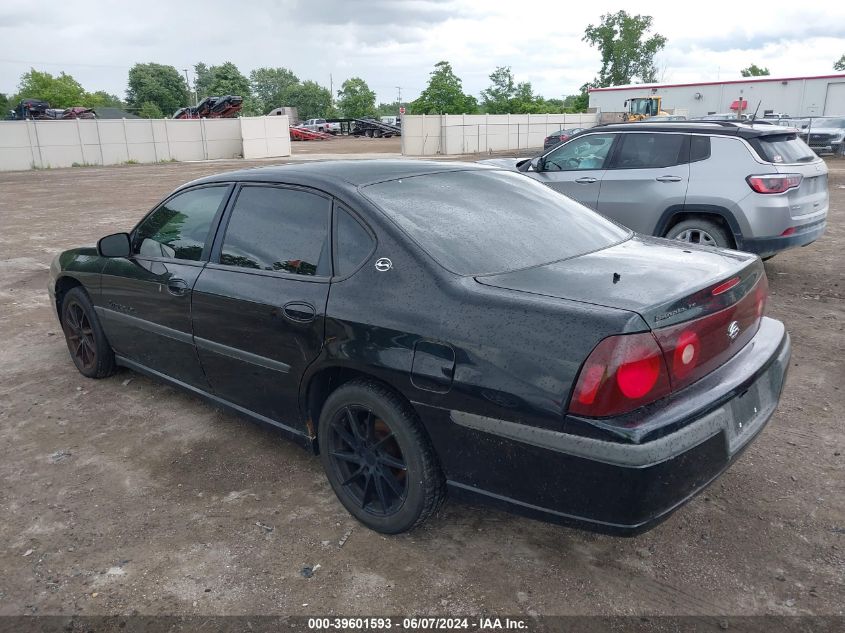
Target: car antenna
(756, 110)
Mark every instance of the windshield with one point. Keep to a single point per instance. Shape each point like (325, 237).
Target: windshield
(479, 222)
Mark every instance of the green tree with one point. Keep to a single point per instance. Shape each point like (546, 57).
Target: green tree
(149, 110)
(271, 86)
(355, 99)
(202, 81)
(389, 109)
(5, 105)
(226, 79)
(158, 84)
(101, 99)
(61, 92)
(579, 102)
(444, 94)
(626, 54)
(505, 95)
(754, 71)
(312, 100)
(840, 64)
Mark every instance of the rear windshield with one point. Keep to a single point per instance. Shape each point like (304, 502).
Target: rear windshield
(783, 148)
(479, 222)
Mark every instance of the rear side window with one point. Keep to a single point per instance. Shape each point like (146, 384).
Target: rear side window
(645, 151)
(782, 148)
(178, 229)
(283, 230)
(488, 221)
(699, 148)
(353, 245)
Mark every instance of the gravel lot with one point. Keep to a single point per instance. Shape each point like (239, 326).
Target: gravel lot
(126, 496)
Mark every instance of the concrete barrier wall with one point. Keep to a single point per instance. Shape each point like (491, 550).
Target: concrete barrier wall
(450, 134)
(43, 144)
(265, 136)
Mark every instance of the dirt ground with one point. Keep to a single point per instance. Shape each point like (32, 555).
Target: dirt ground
(124, 496)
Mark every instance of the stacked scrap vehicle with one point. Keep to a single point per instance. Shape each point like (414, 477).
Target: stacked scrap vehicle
(37, 110)
(224, 107)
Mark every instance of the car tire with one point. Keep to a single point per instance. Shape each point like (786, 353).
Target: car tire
(700, 231)
(378, 459)
(89, 349)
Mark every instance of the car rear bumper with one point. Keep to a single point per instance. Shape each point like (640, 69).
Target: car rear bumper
(804, 235)
(625, 487)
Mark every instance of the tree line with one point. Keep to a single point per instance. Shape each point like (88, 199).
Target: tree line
(625, 42)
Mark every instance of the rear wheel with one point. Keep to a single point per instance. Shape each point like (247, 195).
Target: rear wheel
(377, 458)
(700, 231)
(89, 349)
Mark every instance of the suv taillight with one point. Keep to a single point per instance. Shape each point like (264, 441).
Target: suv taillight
(774, 183)
(628, 371)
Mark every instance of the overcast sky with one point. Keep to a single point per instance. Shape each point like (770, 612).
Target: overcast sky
(396, 43)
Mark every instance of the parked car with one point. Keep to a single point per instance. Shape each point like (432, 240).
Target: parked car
(825, 135)
(429, 326)
(556, 138)
(754, 188)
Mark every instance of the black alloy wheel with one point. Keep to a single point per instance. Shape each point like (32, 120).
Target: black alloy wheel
(365, 453)
(378, 458)
(89, 349)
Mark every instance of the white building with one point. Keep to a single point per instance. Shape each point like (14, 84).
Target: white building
(792, 96)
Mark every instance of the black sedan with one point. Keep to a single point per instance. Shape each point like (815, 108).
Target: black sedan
(429, 326)
(556, 138)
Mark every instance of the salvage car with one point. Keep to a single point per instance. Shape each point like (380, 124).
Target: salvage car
(428, 326)
(756, 188)
(556, 138)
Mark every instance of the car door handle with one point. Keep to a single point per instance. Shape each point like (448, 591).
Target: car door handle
(586, 180)
(177, 287)
(668, 179)
(299, 311)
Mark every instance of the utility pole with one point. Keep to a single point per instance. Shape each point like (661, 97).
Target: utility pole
(188, 81)
(398, 97)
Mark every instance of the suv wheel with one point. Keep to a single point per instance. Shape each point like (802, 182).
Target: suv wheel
(377, 458)
(700, 231)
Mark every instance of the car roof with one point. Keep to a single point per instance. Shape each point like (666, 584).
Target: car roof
(718, 128)
(353, 172)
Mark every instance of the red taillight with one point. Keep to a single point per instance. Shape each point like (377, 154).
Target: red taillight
(774, 183)
(725, 286)
(789, 231)
(622, 373)
(628, 371)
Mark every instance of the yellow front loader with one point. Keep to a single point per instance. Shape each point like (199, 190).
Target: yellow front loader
(639, 108)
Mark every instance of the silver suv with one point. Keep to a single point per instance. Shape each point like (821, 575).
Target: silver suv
(753, 188)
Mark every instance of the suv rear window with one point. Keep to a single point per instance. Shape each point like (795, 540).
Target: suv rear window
(782, 148)
(479, 222)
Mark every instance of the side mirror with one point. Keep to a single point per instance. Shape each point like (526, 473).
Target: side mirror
(536, 163)
(116, 245)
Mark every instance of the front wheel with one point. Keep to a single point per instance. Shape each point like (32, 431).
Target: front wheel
(378, 459)
(700, 231)
(89, 349)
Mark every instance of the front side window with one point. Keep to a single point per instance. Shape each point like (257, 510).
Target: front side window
(178, 229)
(650, 151)
(277, 229)
(586, 152)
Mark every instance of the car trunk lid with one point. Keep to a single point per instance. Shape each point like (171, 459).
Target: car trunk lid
(658, 279)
